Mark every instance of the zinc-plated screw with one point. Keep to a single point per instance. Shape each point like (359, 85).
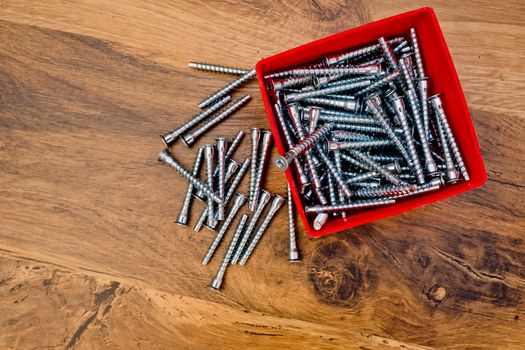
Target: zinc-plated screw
(422, 85)
(235, 144)
(313, 118)
(433, 185)
(337, 175)
(351, 105)
(399, 108)
(362, 128)
(392, 167)
(389, 55)
(377, 167)
(231, 168)
(341, 71)
(166, 157)
(263, 200)
(190, 139)
(282, 162)
(365, 51)
(217, 280)
(349, 206)
(170, 137)
(276, 85)
(277, 203)
(364, 120)
(217, 68)
(344, 135)
(266, 145)
(385, 191)
(209, 151)
(293, 252)
(337, 145)
(451, 173)
(182, 219)
(417, 53)
(227, 89)
(326, 91)
(379, 83)
(237, 204)
(320, 220)
(335, 80)
(384, 159)
(256, 137)
(331, 190)
(435, 101)
(221, 162)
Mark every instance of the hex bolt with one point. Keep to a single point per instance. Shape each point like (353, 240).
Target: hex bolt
(451, 173)
(429, 161)
(304, 145)
(399, 108)
(256, 137)
(417, 53)
(166, 157)
(189, 139)
(349, 105)
(266, 145)
(320, 220)
(341, 71)
(365, 51)
(215, 68)
(385, 191)
(389, 55)
(293, 251)
(276, 85)
(228, 88)
(237, 204)
(349, 206)
(263, 200)
(221, 163)
(379, 83)
(422, 85)
(277, 203)
(373, 104)
(295, 97)
(182, 219)
(231, 190)
(435, 101)
(235, 144)
(338, 145)
(209, 152)
(303, 179)
(377, 167)
(170, 137)
(216, 283)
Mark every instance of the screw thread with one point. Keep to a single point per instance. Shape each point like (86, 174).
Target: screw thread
(168, 159)
(370, 69)
(306, 143)
(417, 53)
(387, 191)
(217, 68)
(235, 144)
(289, 82)
(293, 251)
(375, 166)
(182, 219)
(326, 91)
(263, 160)
(349, 105)
(379, 83)
(389, 55)
(338, 58)
(228, 88)
(336, 175)
(348, 206)
(451, 170)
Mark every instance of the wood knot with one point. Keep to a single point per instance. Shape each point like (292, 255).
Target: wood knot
(437, 293)
(335, 275)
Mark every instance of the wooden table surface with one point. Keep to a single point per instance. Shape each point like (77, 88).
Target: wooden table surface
(90, 256)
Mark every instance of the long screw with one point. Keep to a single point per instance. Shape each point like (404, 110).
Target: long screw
(377, 167)
(189, 139)
(228, 88)
(341, 71)
(166, 157)
(170, 137)
(350, 105)
(277, 203)
(365, 51)
(237, 204)
(385, 191)
(293, 251)
(263, 200)
(256, 137)
(182, 219)
(326, 91)
(277, 85)
(215, 68)
(349, 206)
(209, 152)
(451, 173)
(379, 83)
(338, 145)
(304, 145)
(216, 283)
(417, 53)
(266, 145)
(235, 144)
(221, 162)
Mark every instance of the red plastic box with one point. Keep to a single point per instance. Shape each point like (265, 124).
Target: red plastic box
(443, 79)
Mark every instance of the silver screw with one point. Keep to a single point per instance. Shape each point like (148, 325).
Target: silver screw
(217, 280)
(170, 137)
(313, 118)
(349, 206)
(349, 105)
(358, 119)
(209, 152)
(237, 204)
(190, 139)
(182, 219)
(338, 145)
(166, 157)
(231, 168)
(399, 108)
(276, 85)
(228, 88)
(217, 68)
(235, 144)
(320, 220)
(385, 191)
(374, 166)
(433, 185)
(304, 145)
(451, 173)
(326, 91)
(435, 101)
(417, 53)
(341, 71)
(365, 51)
(337, 176)
(379, 83)
(277, 203)
(422, 85)
(256, 137)
(392, 167)
(266, 145)
(389, 55)
(221, 162)
(263, 200)
(293, 252)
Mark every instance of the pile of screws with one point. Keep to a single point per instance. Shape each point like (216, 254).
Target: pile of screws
(223, 176)
(345, 115)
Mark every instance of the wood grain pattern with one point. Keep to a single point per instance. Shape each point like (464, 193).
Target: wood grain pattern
(90, 256)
